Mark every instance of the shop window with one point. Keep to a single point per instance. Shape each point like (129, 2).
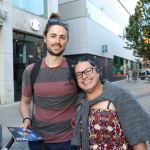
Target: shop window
(33, 6)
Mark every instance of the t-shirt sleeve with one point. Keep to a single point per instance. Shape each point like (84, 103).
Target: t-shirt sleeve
(26, 82)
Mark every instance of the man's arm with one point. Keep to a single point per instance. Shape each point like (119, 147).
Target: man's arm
(140, 146)
(25, 109)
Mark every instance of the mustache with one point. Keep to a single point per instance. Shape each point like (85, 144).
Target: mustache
(57, 45)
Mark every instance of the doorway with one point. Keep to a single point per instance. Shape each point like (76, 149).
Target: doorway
(24, 49)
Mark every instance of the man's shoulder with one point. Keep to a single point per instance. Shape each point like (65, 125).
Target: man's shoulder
(69, 61)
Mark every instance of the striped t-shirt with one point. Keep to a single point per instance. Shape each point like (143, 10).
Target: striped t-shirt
(55, 97)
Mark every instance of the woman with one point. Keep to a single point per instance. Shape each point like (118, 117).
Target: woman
(108, 117)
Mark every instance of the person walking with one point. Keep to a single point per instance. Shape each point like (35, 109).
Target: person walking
(130, 75)
(55, 92)
(135, 75)
(108, 117)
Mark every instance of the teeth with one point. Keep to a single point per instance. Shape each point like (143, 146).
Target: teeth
(56, 46)
(86, 82)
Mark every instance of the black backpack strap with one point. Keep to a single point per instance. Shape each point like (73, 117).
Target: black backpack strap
(34, 73)
(71, 63)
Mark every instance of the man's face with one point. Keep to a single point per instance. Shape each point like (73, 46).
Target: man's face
(56, 40)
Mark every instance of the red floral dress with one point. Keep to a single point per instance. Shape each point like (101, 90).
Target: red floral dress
(105, 132)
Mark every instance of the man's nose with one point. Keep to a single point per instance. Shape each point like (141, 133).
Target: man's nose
(58, 40)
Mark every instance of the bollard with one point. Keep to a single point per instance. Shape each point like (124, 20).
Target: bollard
(1, 143)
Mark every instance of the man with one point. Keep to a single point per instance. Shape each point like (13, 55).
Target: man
(54, 94)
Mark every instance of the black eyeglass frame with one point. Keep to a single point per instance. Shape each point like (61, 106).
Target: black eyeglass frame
(88, 72)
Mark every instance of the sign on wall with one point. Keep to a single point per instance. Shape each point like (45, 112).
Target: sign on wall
(104, 49)
(35, 24)
(3, 16)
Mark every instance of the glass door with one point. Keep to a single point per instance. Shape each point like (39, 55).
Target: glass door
(24, 48)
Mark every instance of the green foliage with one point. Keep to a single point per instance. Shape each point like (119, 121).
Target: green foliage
(137, 33)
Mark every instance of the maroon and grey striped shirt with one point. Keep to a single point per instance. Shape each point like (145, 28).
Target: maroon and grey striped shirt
(55, 97)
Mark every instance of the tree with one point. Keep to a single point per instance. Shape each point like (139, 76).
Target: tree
(137, 33)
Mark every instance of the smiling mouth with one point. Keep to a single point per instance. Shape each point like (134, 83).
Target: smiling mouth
(86, 82)
(56, 47)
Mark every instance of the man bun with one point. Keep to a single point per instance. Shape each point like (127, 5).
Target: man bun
(55, 19)
(54, 16)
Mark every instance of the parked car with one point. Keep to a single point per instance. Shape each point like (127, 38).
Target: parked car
(144, 74)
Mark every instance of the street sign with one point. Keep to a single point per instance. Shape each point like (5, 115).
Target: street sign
(104, 48)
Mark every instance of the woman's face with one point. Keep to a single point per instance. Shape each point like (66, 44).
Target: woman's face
(87, 76)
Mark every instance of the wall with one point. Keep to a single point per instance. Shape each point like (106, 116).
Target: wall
(90, 30)
(76, 9)
(77, 37)
(99, 35)
(17, 20)
(6, 57)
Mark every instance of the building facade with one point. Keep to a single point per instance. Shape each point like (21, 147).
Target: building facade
(96, 30)
(21, 31)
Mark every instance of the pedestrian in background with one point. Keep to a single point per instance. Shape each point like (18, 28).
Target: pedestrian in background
(135, 75)
(55, 92)
(108, 117)
(130, 75)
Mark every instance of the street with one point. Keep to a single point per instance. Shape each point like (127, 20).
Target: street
(10, 116)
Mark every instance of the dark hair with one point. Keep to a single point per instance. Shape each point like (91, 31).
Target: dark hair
(91, 61)
(54, 16)
(55, 19)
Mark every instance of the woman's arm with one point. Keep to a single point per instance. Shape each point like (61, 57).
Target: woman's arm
(140, 146)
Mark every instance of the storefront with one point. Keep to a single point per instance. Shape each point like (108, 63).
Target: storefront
(21, 37)
(24, 51)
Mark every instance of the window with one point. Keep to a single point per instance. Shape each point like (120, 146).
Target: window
(32, 6)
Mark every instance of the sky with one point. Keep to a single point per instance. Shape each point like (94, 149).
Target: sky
(129, 4)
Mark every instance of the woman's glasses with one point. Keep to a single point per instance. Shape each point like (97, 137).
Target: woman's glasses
(87, 72)
(61, 22)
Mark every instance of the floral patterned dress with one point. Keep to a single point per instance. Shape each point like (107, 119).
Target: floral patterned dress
(105, 132)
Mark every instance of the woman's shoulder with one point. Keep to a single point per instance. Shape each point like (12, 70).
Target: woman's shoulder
(119, 95)
(121, 91)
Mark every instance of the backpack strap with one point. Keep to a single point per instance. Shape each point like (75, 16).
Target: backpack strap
(34, 73)
(71, 63)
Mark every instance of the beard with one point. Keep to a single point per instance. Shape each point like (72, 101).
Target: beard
(53, 53)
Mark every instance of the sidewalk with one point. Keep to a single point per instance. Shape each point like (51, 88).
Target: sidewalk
(10, 115)
(141, 89)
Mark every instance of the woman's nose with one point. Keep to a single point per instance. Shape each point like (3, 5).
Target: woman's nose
(84, 75)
